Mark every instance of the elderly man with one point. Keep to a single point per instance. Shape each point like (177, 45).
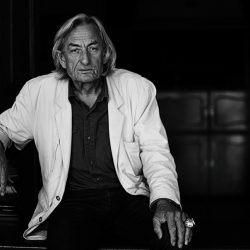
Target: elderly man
(106, 167)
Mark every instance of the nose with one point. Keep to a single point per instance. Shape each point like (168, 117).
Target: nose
(84, 58)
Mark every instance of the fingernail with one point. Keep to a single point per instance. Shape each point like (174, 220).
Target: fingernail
(186, 242)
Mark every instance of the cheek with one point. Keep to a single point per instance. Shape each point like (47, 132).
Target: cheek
(70, 70)
(71, 65)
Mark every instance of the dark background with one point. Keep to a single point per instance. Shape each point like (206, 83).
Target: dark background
(179, 45)
(196, 52)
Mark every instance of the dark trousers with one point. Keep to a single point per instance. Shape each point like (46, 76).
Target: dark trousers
(103, 218)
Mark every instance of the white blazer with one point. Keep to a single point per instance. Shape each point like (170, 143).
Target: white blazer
(138, 140)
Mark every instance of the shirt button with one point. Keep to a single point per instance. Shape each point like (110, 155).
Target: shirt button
(40, 219)
(89, 137)
(98, 178)
(58, 198)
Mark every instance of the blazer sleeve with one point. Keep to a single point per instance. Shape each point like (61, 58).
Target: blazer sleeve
(17, 122)
(158, 164)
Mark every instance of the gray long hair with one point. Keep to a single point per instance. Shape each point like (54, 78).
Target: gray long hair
(64, 31)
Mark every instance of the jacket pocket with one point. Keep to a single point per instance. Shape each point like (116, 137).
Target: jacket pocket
(133, 153)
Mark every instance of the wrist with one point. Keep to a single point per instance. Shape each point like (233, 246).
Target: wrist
(168, 203)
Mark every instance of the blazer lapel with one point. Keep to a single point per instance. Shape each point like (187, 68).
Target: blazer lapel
(115, 119)
(63, 117)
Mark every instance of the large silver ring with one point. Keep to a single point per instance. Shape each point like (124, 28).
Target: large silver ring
(189, 222)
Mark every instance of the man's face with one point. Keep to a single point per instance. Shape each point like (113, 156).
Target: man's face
(82, 55)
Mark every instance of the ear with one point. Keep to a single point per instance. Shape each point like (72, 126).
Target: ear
(61, 59)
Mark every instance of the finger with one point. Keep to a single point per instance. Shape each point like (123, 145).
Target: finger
(188, 231)
(157, 227)
(184, 216)
(180, 229)
(188, 235)
(172, 228)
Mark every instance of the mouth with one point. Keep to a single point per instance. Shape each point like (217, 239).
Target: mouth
(85, 70)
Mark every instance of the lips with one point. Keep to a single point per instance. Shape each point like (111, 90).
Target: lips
(86, 70)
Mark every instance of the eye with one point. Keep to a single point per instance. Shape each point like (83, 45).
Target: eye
(76, 50)
(93, 48)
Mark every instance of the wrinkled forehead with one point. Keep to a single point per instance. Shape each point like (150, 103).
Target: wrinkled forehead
(84, 33)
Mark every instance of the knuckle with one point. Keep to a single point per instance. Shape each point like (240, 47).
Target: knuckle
(156, 229)
(177, 215)
(182, 231)
(169, 215)
(172, 228)
(156, 220)
(171, 224)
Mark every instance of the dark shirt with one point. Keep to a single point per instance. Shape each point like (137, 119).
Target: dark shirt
(91, 165)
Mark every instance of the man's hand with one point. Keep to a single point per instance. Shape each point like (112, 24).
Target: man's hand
(3, 171)
(167, 212)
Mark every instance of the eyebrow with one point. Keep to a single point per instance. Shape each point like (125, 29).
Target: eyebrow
(77, 45)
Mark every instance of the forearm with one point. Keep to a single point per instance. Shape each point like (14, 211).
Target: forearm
(2, 154)
(4, 139)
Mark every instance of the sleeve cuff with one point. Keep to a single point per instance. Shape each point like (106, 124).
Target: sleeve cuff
(152, 206)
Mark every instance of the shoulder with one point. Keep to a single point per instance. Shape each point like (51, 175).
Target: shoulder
(41, 89)
(43, 80)
(129, 81)
(46, 83)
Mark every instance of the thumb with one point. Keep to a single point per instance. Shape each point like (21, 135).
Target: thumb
(157, 227)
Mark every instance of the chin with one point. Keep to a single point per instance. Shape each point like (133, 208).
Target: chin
(87, 80)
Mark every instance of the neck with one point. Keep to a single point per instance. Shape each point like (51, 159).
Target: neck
(87, 88)
(88, 92)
